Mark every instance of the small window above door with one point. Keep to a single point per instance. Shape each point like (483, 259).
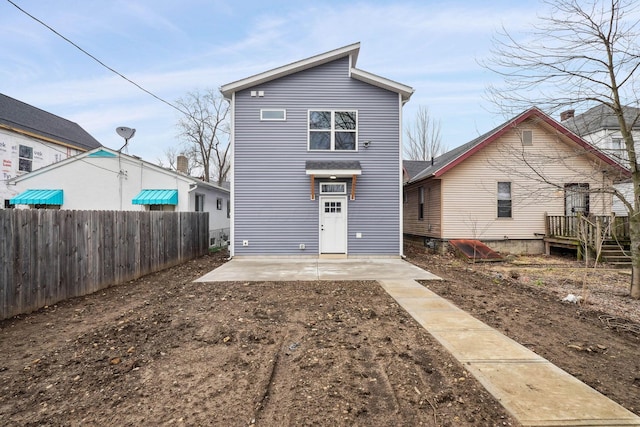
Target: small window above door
(333, 188)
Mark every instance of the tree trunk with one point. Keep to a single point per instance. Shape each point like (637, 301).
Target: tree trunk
(634, 232)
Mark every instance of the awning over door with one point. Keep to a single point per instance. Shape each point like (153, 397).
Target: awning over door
(156, 197)
(38, 197)
(333, 169)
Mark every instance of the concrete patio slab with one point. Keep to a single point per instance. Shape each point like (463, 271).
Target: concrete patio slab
(303, 269)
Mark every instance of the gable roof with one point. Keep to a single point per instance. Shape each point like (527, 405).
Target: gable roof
(104, 152)
(601, 117)
(351, 51)
(414, 167)
(452, 158)
(23, 118)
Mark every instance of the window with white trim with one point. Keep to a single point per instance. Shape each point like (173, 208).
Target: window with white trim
(273, 114)
(333, 188)
(333, 130)
(504, 200)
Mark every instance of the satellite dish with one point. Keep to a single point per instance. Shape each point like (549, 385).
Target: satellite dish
(125, 132)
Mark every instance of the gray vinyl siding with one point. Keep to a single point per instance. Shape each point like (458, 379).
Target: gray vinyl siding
(273, 210)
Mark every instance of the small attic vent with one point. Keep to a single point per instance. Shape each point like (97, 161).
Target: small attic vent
(527, 137)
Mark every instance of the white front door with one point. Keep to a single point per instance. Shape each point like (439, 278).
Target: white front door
(333, 225)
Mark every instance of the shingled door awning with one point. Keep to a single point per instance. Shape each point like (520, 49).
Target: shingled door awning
(38, 197)
(333, 169)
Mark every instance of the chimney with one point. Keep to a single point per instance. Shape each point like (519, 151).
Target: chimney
(567, 115)
(182, 164)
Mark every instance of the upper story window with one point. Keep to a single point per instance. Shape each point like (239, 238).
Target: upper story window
(25, 158)
(333, 130)
(275, 114)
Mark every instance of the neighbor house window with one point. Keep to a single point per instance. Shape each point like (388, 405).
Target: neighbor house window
(333, 130)
(199, 202)
(527, 137)
(228, 208)
(25, 158)
(504, 200)
(276, 114)
(219, 204)
(421, 203)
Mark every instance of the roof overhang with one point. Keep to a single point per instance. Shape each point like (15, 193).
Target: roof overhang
(156, 197)
(39, 197)
(381, 82)
(350, 50)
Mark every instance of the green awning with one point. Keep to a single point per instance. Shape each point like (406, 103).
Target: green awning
(38, 197)
(156, 197)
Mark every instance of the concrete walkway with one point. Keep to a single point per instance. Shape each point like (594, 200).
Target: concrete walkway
(532, 389)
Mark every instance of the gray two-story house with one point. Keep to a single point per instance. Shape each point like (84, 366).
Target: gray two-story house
(317, 160)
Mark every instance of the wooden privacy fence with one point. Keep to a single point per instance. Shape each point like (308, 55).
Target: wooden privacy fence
(47, 255)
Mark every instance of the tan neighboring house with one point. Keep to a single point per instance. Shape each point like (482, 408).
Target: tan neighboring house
(488, 189)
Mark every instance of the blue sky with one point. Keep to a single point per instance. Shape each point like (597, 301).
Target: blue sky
(172, 47)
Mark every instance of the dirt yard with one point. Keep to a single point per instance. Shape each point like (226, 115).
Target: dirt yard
(597, 340)
(162, 350)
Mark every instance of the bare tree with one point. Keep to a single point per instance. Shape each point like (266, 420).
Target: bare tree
(424, 140)
(579, 55)
(204, 129)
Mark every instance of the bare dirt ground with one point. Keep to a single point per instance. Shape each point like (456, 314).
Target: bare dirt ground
(162, 350)
(596, 340)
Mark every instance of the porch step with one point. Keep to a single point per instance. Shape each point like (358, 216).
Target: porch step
(614, 255)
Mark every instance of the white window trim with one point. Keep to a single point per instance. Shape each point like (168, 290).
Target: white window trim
(343, 184)
(283, 110)
(332, 146)
(500, 218)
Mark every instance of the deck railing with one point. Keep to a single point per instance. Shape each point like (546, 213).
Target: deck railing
(587, 227)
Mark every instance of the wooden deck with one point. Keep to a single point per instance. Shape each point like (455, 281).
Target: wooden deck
(582, 232)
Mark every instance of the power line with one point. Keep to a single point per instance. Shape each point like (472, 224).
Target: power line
(96, 59)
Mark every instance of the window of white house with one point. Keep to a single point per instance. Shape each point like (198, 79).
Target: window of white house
(25, 158)
(199, 202)
(219, 204)
(504, 200)
(276, 114)
(421, 203)
(228, 208)
(527, 137)
(333, 187)
(333, 130)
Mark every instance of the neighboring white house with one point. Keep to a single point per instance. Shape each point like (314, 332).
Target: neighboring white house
(599, 126)
(104, 179)
(31, 138)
